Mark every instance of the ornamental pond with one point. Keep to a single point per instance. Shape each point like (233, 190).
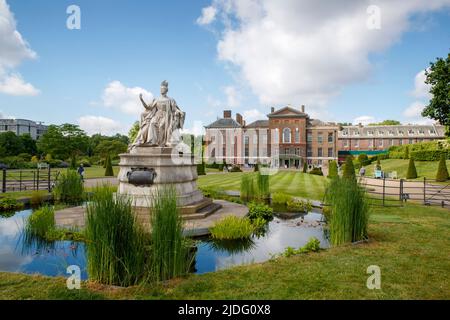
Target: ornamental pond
(16, 255)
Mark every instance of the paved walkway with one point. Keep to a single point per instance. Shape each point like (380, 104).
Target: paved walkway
(432, 193)
(76, 216)
(90, 183)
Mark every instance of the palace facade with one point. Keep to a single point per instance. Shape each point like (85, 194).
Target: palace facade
(289, 138)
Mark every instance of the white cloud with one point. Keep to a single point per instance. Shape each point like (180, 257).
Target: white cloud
(13, 50)
(414, 110)
(413, 113)
(421, 89)
(105, 126)
(119, 97)
(208, 16)
(253, 115)
(305, 52)
(233, 96)
(14, 85)
(196, 129)
(364, 120)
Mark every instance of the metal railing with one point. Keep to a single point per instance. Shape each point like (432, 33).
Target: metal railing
(395, 192)
(25, 180)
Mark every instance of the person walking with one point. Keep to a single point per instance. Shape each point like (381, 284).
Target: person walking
(81, 171)
(362, 171)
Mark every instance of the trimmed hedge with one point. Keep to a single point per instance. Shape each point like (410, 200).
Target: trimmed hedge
(316, 171)
(430, 155)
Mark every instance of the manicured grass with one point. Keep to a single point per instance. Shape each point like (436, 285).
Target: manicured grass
(89, 173)
(426, 169)
(290, 182)
(21, 194)
(409, 244)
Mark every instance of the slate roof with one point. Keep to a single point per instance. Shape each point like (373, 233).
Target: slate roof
(224, 123)
(258, 124)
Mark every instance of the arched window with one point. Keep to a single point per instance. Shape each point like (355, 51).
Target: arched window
(286, 135)
(297, 135)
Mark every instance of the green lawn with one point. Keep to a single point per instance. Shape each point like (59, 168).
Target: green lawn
(409, 244)
(90, 172)
(291, 182)
(426, 169)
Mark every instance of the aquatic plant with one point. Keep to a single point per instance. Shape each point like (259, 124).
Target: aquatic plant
(349, 211)
(38, 197)
(232, 228)
(40, 222)
(296, 205)
(281, 198)
(248, 188)
(259, 210)
(117, 247)
(10, 204)
(263, 183)
(170, 256)
(69, 187)
(313, 245)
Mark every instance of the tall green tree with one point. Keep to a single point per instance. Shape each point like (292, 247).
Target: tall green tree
(112, 148)
(64, 141)
(29, 145)
(438, 76)
(10, 144)
(132, 134)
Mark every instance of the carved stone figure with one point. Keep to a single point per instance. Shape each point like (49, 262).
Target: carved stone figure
(161, 118)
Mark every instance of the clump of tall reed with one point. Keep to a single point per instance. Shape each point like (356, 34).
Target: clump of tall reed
(349, 211)
(263, 183)
(117, 247)
(69, 187)
(248, 187)
(170, 252)
(40, 222)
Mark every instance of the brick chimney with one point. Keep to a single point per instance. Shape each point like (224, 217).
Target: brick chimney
(239, 119)
(303, 108)
(227, 114)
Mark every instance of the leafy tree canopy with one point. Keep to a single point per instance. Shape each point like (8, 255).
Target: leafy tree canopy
(438, 76)
(64, 141)
(386, 123)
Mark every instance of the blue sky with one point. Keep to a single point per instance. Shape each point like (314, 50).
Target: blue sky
(226, 60)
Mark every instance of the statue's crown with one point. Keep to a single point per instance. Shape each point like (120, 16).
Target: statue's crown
(165, 84)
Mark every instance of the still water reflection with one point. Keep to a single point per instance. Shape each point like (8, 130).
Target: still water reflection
(53, 259)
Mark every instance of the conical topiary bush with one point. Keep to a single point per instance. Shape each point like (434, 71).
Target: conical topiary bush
(442, 173)
(109, 172)
(412, 172)
(349, 168)
(332, 170)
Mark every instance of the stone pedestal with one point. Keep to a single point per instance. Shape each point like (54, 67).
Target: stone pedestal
(169, 167)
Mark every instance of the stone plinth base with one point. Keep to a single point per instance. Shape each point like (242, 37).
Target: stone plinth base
(171, 166)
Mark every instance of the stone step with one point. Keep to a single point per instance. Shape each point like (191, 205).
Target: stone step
(195, 207)
(204, 212)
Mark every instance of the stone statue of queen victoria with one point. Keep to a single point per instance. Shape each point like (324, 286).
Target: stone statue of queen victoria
(161, 118)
